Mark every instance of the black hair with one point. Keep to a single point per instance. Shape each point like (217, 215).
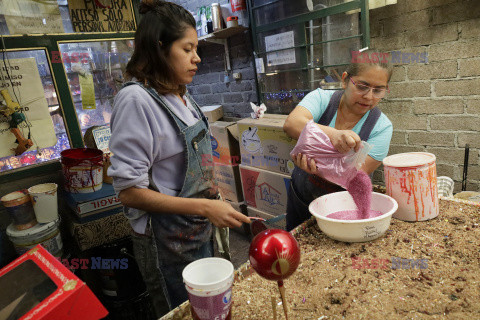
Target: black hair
(369, 58)
(162, 24)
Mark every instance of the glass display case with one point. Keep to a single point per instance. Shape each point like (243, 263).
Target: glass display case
(299, 48)
(39, 155)
(80, 59)
(105, 61)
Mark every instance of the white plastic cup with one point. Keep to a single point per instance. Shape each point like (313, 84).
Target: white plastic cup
(209, 285)
(44, 199)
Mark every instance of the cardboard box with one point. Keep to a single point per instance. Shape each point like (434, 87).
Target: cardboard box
(225, 146)
(82, 203)
(213, 113)
(100, 231)
(229, 183)
(270, 222)
(265, 190)
(263, 144)
(37, 286)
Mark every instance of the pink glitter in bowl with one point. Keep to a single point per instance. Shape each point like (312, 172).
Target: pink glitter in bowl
(354, 215)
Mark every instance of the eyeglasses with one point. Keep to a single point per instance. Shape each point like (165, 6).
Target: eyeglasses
(363, 89)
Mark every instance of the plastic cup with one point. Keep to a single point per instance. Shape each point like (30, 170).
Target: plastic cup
(20, 208)
(209, 285)
(44, 199)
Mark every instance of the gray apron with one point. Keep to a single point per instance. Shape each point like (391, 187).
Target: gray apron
(182, 239)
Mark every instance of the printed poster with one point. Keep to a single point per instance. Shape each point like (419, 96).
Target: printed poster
(32, 16)
(101, 15)
(280, 41)
(24, 85)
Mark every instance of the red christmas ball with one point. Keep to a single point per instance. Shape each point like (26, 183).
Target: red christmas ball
(274, 254)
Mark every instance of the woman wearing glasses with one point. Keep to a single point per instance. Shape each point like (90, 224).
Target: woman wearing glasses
(347, 117)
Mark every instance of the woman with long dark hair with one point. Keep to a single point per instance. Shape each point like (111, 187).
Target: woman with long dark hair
(160, 139)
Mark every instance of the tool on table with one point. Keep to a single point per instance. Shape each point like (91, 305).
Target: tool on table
(10, 108)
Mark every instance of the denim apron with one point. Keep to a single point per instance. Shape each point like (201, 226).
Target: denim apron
(182, 239)
(306, 187)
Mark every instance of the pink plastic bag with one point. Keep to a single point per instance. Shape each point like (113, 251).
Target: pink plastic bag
(332, 165)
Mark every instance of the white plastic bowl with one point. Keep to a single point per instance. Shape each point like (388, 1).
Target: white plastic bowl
(352, 230)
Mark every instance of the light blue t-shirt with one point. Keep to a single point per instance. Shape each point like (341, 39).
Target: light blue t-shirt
(317, 101)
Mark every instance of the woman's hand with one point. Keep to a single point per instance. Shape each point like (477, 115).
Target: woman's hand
(344, 140)
(307, 165)
(222, 214)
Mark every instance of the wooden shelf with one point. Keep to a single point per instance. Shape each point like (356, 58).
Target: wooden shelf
(223, 33)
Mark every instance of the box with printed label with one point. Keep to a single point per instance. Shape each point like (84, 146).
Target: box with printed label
(38, 286)
(271, 220)
(263, 144)
(225, 147)
(82, 203)
(265, 190)
(229, 184)
(213, 113)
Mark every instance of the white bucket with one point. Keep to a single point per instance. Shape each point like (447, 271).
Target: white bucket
(352, 230)
(44, 199)
(209, 285)
(46, 234)
(411, 179)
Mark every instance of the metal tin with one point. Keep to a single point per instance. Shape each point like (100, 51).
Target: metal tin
(216, 17)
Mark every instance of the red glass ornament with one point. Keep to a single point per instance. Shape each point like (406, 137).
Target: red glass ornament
(274, 254)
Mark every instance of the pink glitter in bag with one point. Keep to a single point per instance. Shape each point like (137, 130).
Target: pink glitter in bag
(332, 165)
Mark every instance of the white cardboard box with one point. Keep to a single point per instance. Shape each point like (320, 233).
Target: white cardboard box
(263, 144)
(213, 113)
(225, 147)
(265, 190)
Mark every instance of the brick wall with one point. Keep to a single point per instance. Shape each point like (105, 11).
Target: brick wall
(434, 107)
(208, 86)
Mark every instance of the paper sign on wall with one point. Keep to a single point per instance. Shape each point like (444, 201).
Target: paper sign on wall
(28, 91)
(280, 41)
(30, 16)
(101, 15)
(87, 88)
(259, 65)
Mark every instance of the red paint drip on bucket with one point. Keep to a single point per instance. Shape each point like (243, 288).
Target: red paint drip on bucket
(82, 169)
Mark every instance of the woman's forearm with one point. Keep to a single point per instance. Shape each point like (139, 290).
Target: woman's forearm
(153, 201)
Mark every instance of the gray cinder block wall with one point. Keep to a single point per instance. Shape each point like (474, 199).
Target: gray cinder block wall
(208, 86)
(434, 106)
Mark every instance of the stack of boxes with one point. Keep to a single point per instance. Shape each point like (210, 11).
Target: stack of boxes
(96, 218)
(252, 164)
(266, 165)
(226, 160)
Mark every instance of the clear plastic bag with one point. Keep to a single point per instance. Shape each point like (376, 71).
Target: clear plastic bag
(332, 165)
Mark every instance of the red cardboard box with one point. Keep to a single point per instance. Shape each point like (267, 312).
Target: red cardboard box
(38, 286)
